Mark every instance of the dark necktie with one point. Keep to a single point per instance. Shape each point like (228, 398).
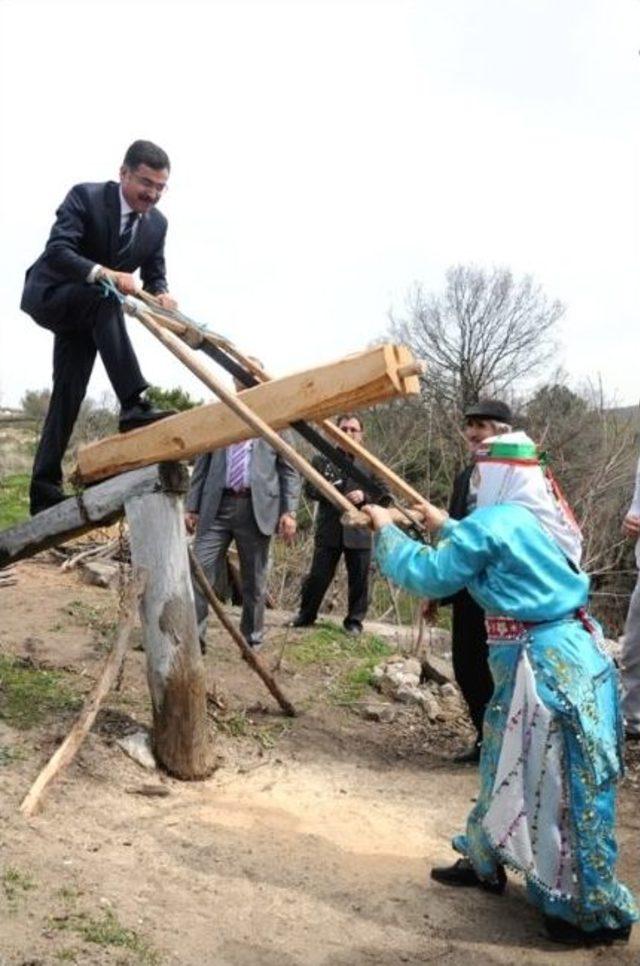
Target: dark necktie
(126, 236)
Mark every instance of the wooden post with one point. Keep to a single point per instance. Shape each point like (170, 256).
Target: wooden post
(175, 669)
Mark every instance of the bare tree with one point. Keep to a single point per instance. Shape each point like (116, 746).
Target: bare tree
(484, 333)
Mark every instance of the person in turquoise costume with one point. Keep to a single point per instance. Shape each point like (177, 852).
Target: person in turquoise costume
(551, 754)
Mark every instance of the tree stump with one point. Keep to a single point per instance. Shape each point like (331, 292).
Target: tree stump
(174, 663)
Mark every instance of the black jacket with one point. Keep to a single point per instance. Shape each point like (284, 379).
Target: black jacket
(329, 530)
(458, 511)
(86, 232)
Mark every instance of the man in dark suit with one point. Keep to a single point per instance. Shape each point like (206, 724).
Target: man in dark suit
(102, 230)
(470, 652)
(332, 540)
(244, 492)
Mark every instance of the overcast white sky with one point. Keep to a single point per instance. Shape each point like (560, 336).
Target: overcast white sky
(326, 155)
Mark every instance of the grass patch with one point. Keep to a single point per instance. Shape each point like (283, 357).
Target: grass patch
(406, 606)
(239, 725)
(107, 930)
(86, 615)
(14, 499)
(29, 695)
(11, 753)
(15, 885)
(350, 659)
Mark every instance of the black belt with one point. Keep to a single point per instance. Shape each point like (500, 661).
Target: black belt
(245, 491)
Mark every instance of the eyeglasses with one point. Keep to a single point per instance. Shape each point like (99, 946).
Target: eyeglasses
(158, 186)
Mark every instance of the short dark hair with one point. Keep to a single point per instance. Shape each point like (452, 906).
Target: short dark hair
(343, 417)
(146, 152)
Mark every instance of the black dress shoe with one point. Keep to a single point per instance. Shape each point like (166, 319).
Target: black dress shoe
(140, 414)
(352, 627)
(300, 621)
(469, 757)
(42, 496)
(561, 931)
(462, 873)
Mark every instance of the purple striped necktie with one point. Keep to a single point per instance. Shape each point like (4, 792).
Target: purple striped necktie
(237, 456)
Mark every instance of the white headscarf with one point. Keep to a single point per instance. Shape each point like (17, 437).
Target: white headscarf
(508, 470)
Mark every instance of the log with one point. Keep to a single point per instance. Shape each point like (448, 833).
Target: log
(97, 506)
(247, 652)
(350, 383)
(67, 751)
(175, 670)
(196, 337)
(247, 415)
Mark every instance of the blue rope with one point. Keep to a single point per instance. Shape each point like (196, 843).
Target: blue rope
(108, 288)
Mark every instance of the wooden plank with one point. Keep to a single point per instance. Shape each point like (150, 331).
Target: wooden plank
(196, 337)
(350, 383)
(240, 408)
(97, 506)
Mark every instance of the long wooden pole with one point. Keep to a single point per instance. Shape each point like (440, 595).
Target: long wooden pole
(194, 337)
(67, 751)
(247, 652)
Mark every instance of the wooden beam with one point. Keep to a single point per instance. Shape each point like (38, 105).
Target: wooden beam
(350, 383)
(196, 337)
(97, 506)
(253, 421)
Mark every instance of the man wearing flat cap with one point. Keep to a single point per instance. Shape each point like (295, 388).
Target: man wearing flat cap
(470, 652)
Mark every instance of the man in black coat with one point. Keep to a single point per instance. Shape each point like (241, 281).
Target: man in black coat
(332, 540)
(470, 651)
(102, 230)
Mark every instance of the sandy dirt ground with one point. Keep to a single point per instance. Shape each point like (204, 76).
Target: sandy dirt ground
(309, 846)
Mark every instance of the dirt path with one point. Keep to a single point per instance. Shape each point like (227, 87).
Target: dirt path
(310, 845)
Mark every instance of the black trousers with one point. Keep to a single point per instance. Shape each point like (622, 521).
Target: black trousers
(93, 325)
(470, 654)
(323, 567)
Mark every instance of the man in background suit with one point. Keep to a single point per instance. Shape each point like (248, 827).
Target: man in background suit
(332, 540)
(244, 492)
(102, 230)
(470, 651)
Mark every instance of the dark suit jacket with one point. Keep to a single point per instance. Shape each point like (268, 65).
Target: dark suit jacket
(275, 486)
(86, 232)
(329, 530)
(458, 511)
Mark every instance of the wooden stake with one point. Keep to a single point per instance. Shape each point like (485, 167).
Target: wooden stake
(67, 751)
(247, 652)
